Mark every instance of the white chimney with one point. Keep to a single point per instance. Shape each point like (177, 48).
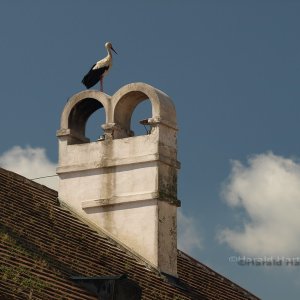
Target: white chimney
(125, 185)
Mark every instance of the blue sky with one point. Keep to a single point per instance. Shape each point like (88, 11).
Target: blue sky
(232, 69)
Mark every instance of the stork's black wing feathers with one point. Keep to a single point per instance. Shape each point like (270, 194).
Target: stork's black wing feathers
(93, 76)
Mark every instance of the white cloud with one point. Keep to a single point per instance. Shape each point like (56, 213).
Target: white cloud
(31, 163)
(189, 239)
(268, 189)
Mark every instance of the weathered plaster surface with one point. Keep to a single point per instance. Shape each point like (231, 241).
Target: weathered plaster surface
(124, 184)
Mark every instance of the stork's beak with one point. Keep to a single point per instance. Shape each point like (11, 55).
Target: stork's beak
(113, 49)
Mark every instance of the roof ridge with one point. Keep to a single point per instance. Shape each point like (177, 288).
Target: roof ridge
(213, 272)
(102, 232)
(26, 180)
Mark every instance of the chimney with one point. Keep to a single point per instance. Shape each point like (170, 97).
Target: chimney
(125, 185)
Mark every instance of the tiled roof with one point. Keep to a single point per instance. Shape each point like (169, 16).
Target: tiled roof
(42, 245)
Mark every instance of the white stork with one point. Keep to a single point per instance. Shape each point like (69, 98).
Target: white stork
(99, 69)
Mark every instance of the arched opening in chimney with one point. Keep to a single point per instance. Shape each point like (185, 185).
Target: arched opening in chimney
(132, 113)
(85, 120)
(139, 117)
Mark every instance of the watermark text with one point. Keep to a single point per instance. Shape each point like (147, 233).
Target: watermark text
(265, 260)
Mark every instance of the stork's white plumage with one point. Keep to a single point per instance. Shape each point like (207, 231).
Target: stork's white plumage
(99, 69)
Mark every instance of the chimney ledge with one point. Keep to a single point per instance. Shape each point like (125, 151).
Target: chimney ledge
(110, 162)
(148, 199)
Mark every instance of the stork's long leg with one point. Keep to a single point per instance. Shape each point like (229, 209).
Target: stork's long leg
(101, 84)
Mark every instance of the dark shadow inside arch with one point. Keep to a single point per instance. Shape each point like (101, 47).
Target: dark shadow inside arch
(80, 114)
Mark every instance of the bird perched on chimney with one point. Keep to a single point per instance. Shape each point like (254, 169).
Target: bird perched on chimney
(99, 69)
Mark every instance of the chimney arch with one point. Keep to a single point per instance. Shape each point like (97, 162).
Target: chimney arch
(126, 99)
(77, 112)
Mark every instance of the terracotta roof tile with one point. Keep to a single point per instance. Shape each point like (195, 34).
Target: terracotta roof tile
(43, 245)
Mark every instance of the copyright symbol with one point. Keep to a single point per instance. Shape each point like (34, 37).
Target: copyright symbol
(232, 259)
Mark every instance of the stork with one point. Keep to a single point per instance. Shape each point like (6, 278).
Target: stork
(99, 69)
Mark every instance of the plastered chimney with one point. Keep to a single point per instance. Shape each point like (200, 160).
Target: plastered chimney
(125, 185)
